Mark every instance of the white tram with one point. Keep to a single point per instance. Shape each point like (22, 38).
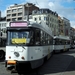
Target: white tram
(28, 45)
(61, 43)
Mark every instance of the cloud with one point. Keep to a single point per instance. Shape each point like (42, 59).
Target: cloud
(3, 13)
(72, 23)
(67, 12)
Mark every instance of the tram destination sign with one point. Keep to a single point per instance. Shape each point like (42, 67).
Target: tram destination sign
(18, 24)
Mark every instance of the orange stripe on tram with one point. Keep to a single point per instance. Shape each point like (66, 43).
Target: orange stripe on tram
(11, 62)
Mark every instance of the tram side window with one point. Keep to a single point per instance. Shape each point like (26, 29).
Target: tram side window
(31, 38)
(37, 37)
(42, 39)
(60, 42)
(56, 41)
(68, 42)
(46, 40)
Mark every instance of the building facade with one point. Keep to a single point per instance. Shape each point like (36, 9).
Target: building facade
(67, 26)
(47, 17)
(61, 26)
(17, 12)
(3, 26)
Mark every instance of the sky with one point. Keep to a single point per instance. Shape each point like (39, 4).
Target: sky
(64, 8)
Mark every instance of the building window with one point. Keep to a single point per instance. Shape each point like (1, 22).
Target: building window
(20, 18)
(19, 14)
(4, 24)
(13, 15)
(14, 10)
(46, 11)
(13, 19)
(35, 19)
(8, 15)
(25, 17)
(8, 19)
(45, 18)
(39, 18)
(8, 11)
(19, 9)
(30, 17)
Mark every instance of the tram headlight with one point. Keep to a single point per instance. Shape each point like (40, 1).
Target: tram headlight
(22, 57)
(16, 54)
(9, 57)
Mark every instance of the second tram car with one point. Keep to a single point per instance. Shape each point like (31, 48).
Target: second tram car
(28, 44)
(61, 43)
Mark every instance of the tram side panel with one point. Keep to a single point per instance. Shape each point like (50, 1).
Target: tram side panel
(38, 54)
(61, 44)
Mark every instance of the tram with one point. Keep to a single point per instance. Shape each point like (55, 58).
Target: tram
(61, 43)
(28, 45)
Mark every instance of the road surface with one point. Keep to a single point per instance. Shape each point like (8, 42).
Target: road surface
(58, 64)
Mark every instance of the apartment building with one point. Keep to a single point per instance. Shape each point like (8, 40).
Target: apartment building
(67, 26)
(61, 26)
(64, 26)
(3, 26)
(18, 12)
(2, 22)
(48, 17)
(72, 35)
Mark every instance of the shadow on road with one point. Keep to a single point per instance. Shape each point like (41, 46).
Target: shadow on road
(62, 62)
(2, 60)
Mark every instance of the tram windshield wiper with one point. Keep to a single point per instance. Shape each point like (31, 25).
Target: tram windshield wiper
(19, 44)
(23, 47)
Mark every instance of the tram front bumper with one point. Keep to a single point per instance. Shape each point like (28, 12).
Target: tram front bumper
(11, 62)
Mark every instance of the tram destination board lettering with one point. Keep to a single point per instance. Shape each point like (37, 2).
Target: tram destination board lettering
(18, 24)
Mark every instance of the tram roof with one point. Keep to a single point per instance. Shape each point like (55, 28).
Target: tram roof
(43, 26)
(62, 37)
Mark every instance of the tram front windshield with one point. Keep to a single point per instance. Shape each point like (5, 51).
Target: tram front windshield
(20, 37)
